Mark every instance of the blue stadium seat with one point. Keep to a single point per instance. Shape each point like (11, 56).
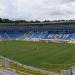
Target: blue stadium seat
(15, 34)
(35, 35)
(73, 36)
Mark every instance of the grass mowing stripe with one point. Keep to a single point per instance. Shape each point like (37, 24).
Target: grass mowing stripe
(37, 53)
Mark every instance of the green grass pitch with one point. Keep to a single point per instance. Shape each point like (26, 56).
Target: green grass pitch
(38, 53)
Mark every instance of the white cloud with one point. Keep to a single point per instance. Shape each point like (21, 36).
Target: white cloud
(37, 9)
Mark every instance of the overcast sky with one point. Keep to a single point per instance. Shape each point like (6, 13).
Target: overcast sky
(37, 9)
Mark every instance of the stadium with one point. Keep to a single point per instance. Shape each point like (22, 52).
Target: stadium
(49, 46)
(60, 31)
